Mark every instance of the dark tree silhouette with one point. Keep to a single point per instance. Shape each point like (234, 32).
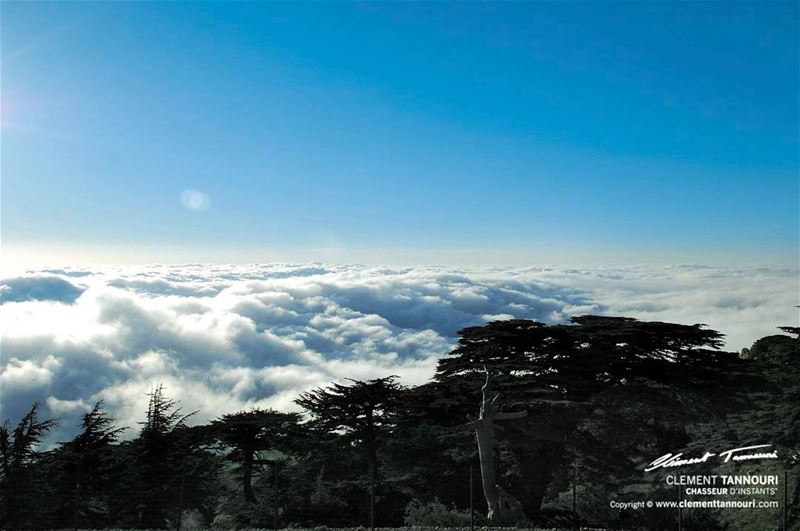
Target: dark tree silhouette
(249, 432)
(566, 375)
(363, 412)
(21, 484)
(84, 471)
(163, 417)
(156, 464)
(603, 397)
(573, 361)
(771, 415)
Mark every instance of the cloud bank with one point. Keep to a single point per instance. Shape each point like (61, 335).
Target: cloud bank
(223, 338)
(38, 288)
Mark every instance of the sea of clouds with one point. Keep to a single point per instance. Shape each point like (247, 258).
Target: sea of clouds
(224, 338)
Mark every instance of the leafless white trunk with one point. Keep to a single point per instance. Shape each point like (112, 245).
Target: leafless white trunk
(503, 507)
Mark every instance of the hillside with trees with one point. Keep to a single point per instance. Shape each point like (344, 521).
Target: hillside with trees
(531, 424)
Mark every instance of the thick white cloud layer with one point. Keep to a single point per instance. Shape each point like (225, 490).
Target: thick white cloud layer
(223, 338)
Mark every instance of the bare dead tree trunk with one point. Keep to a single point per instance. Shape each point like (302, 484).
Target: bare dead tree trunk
(503, 507)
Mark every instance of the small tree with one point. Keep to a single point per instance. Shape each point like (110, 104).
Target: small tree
(362, 412)
(249, 432)
(84, 471)
(155, 464)
(19, 492)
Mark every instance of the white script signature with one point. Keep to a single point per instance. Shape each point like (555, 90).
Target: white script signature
(673, 460)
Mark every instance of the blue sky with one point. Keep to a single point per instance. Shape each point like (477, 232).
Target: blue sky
(400, 133)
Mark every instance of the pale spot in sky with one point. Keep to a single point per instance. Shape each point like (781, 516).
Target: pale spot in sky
(194, 200)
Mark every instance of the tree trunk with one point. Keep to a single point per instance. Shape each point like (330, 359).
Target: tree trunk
(247, 477)
(503, 507)
(484, 433)
(372, 456)
(537, 470)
